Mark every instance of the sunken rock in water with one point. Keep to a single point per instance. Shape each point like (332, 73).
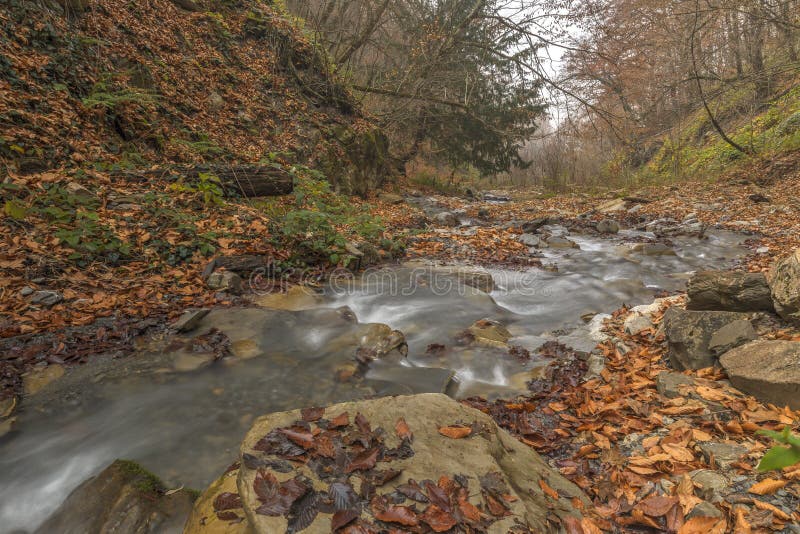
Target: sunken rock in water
(490, 454)
(653, 249)
(729, 291)
(490, 332)
(480, 280)
(561, 242)
(689, 335)
(768, 370)
(123, 499)
(784, 282)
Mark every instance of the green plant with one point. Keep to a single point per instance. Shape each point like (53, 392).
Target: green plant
(783, 455)
(104, 94)
(208, 188)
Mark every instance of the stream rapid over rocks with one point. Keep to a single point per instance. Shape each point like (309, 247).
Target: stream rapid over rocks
(182, 414)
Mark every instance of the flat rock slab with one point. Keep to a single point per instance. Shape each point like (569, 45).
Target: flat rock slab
(768, 370)
(356, 468)
(689, 334)
(729, 291)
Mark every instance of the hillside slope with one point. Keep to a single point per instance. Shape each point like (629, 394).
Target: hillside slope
(119, 84)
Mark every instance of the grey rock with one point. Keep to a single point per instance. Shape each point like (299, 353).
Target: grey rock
(225, 281)
(669, 383)
(710, 484)
(494, 450)
(768, 370)
(531, 240)
(731, 336)
(729, 291)
(636, 323)
(25, 291)
(723, 454)
(689, 333)
(607, 226)
(446, 218)
(46, 297)
(533, 225)
(784, 283)
(122, 498)
(705, 509)
(189, 320)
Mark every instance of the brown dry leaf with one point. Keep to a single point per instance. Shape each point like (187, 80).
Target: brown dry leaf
(711, 394)
(642, 470)
(681, 454)
(590, 527)
(685, 494)
(768, 486)
(699, 435)
(742, 526)
(455, 432)
(704, 525)
(657, 505)
(780, 514)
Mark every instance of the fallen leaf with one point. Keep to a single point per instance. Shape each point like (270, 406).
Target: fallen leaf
(768, 486)
(553, 494)
(780, 514)
(402, 430)
(704, 525)
(438, 519)
(402, 515)
(455, 432)
(363, 461)
(657, 505)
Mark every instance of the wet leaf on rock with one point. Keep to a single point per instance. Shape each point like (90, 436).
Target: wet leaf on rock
(388, 513)
(403, 431)
(303, 512)
(342, 495)
(277, 498)
(227, 501)
(455, 432)
(362, 424)
(341, 420)
(304, 439)
(380, 477)
(363, 461)
(278, 443)
(438, 519)
(311, 415)
(413, 491)
(343, 518)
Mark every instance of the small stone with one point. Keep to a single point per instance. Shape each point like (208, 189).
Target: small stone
(391, 198)
(189, 320)
(608, 226)
(185, 361)
(724, 454)
(47, 298)
(669, 383)
(483, 213)
(731, 336)
(655, 249)
(531, 240)
(710, 484)
(596, 363)
(489, 332)
(25, 291)
(704, 509)
(636, 323)
(225, 281)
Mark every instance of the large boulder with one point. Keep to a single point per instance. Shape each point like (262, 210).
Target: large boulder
(729, 291)
(768, 370)
(396, 462)
(689, 334)
(784, 283)
(123, 498)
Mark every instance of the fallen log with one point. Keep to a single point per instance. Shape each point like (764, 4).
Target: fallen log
(237, 180)
(248, 180)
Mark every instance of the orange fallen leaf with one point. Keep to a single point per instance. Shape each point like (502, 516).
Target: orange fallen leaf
(704, 525)
(768, 486)
(455, 432)
(777, 512)
(547, 489)
(402, 430)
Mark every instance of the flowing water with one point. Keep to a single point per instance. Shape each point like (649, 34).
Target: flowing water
(186, 426)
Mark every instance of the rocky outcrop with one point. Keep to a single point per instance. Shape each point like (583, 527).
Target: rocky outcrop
(123, 498)
(729, 291)
(768, 370)
(422, 461)
(689, 334)
(784, 283)
(607, 226)
(731, 336)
